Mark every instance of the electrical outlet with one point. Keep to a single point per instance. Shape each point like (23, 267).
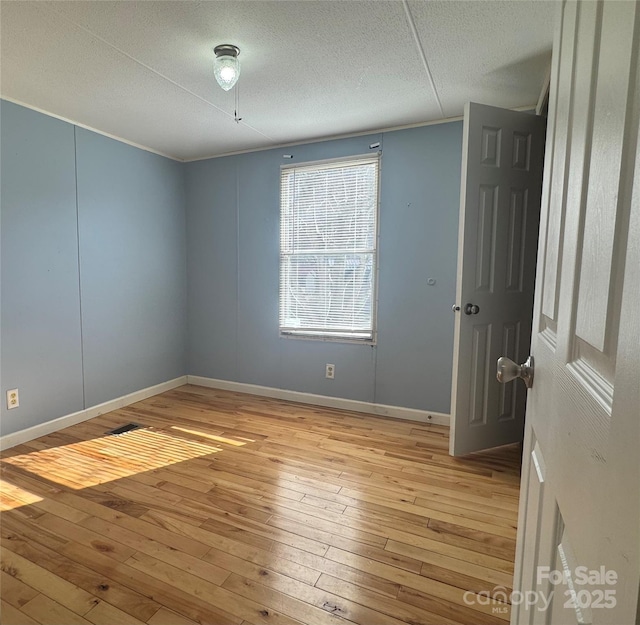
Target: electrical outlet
(13, 399)
(330, 372)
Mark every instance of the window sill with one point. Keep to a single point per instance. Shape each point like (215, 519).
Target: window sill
(329, 338)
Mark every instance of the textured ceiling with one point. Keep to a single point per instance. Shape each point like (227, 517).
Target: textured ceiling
(142, 71)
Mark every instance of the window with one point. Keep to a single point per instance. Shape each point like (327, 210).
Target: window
(328, 237)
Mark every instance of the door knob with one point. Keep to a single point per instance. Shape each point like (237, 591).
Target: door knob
(455, 308)
(471, 309)
(509, 370)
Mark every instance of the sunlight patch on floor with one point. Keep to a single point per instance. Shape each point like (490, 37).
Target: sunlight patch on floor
(99, 460)
(12, 496)
(214, 437)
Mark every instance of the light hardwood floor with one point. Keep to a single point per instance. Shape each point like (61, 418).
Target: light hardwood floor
(229, 508)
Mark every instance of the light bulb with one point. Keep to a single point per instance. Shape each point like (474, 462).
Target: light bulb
(228, 73)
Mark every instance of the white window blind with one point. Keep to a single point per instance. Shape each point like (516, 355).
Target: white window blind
(328, 236)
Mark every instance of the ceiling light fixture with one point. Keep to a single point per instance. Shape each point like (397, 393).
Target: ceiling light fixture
(226, 67)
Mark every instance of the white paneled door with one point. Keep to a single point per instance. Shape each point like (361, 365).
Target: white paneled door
(499, 218)
(578, 552)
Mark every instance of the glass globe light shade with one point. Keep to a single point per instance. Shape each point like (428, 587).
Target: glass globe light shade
(226, 67)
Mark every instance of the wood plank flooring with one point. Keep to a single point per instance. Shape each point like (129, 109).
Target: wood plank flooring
(233, 509)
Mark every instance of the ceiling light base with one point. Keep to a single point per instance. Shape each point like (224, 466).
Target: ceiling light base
(226, 49)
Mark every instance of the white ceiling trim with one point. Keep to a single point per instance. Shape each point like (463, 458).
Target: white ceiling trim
(277, 146)
(433, 122)
(544, 92)
(91, 128)
(423, 56)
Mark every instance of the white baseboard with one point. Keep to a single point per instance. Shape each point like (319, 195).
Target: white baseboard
(424, 416)
(398, 412)
(11, 440)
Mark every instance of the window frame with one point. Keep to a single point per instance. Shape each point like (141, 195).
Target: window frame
(329, 335)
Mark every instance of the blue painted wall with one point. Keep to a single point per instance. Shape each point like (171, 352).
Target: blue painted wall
(232, 242)
(40, 314)
(93, 268)
(122, 269)
(132, 267)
